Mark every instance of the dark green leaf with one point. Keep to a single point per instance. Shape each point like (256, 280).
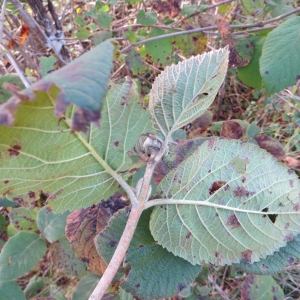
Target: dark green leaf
(20, 254)
(47, 64)
(276, 262)
(3, 231)
(134, 62)
(281, 51)
(104, 19)
(34, 286)
(146, 18)
(10, 290)
(154, 272)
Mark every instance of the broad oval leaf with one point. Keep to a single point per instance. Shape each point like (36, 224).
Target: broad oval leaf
(280, 54)
(20, 254)
(85, 287)
(11, 290)
(83, 82)
(247, 205)
(46, 157)
(183, 92)
(51, 225)
(23, 218)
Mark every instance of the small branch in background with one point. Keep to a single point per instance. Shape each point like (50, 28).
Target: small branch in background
(288, 103)
(2, 17)
(259, 24)
(217, 288)
(62, 19)
(16, 67)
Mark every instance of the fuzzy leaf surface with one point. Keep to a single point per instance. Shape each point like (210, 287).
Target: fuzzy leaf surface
(46, 157)
(20, 254)
(183, 92)
(238, 186)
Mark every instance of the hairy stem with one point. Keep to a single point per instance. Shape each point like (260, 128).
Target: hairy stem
(119, 254)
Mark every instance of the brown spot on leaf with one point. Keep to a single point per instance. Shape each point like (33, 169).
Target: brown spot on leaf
(242, 192)
(287, 225)
(291, 183)
(296, 207)
(170, 8)
(14, 150)
(6, 181)
(216, 186)
(31, 194)
(116, 143)
(233, 222)
(189, 234)
(180, 287)
(246, 256)
(289, 237)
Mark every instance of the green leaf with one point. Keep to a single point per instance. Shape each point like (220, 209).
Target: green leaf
(254, 8)
(12, 79)
(10, 290)
(281, 51)
(34, 286)
(65, 260)
(146, 18)
(276, 262)
(250, 74)
(159, 50)
(7, 203)
(51, 225)
(45, 157)
(23, 219)
(184, 91)
(3, 231)
(47, 64)
(104, 19)
(282, 7)
(261, 288)
(154, 272)
(85, 287)
(246, 205)
(102, 36)
(82, 33)
(20, 254)
(134, 62)
(252, 130)
(83, 82)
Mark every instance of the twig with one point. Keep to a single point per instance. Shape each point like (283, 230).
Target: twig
(16, 67)
(223, 294)
(62, 19)
(288, 103)
(200, 11)
(2, 17)
(168, 35)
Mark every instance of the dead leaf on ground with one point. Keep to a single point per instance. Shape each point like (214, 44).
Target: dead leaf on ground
(271, 145)
(170, 8)
(232, 130)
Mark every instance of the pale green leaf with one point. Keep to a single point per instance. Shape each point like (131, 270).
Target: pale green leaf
(261, 288)
(46, 157)
(47, 64)
(51, 225)
(279, 65)
(183, 92)
(20, 254)
(23, 218)
(10, 290)
(245, 205)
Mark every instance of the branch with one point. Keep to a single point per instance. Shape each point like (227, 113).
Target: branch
(119, 254)
(218, 288)
(2, 17)
(16, 67)
(168, 35)
(156, 202)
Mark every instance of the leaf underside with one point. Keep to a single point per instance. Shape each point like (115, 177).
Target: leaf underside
(183, 92)
(249, 205)
(45, 157)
